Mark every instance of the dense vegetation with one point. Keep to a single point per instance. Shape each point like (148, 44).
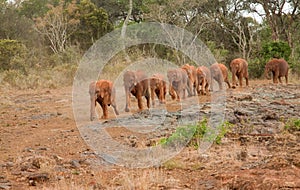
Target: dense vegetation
(42, 41)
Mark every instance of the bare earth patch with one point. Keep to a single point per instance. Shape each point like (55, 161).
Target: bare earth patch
(41, 147)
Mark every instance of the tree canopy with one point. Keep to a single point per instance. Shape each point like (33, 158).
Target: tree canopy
(52, 27)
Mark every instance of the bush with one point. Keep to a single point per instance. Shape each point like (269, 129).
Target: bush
(61, 75)
(192, 134)
(12, 54)
(276, 50)
(295, 67)
(256, 68)
(292, 124)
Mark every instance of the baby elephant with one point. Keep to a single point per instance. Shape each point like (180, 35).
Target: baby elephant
(177, 83)
(137, 84)
(192, 79)
(279, 68)
(158, 88)
(224, 71)
(104, 93)
(204, 80)
(239, 69)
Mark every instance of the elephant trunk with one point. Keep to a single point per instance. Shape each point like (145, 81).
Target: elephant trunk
(267, 76)
(93, 105)
(234, 73)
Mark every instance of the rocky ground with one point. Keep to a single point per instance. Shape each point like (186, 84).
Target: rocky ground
(42, 148)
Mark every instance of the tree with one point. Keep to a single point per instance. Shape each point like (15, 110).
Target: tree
(34, 8)
(282, 17)
(94, 23)
(118, 10)
(57, 25)
(13, 25)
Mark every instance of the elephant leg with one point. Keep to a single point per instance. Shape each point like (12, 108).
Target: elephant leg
(172, 92)
(275, 79)
(183, 92)
(220, 83)
(247, 81)
(178, 94)
(227, 82)
(147, 96)
(276, 73)
(153, 96)
(194, 88)
(233, 80)
(206, 88)
(140, 101)
(198, 89)
(240, 80)
(104, 109)
(279, 78)
(189, 88)
(286, 78)
(203, 87)
(127, 94)
(114, 105)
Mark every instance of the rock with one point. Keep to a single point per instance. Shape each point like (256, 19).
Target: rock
(75, 164)
(132, 140)
(244, 98)
(270, 116)
(5, 186)
(33, 179)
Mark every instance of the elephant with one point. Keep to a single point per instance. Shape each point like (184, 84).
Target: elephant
(104, 93)
(239, 69)
(158, 87)
(204, 80)
(177, 83)
(192, 79)
(279, 68)
(136, 83)
(224, 72)
(217, 75)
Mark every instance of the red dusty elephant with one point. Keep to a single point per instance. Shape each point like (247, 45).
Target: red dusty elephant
(224, 72)
(192, 79)
(104, 93)
(177, 83)
(136, 83)
(158, 87)
(239, 69)
(279, 68)
(204, 80)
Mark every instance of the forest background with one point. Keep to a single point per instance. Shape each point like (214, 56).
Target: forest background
(42, 41)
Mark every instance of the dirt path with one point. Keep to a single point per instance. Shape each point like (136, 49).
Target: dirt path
(41, 147)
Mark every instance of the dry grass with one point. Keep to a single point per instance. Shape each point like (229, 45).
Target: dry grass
(142, 179)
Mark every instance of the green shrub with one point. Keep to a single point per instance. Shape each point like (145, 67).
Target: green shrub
(256, 68)
(295, 66)
(293, 125)
(193, 134)
(12, 54)
(276, 49)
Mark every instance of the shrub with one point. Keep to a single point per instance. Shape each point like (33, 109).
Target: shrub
(277, 49)
(292, 124)
(12, 53)
(61, 75)
(256, 68)
(192, 134)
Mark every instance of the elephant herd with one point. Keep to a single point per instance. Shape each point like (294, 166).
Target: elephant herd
(194, 81)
